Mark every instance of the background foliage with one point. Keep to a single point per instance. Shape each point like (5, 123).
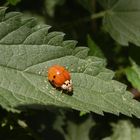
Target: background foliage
(109, 29)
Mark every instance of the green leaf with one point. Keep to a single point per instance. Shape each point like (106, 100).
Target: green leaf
(133, 75)
(87, 4)
(51, 4)
(124, 130)
(27, 49)
(94, 49)
(13, 2)
(122, 20)
(74, 131)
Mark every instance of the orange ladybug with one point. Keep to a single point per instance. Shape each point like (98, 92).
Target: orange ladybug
(60, 77)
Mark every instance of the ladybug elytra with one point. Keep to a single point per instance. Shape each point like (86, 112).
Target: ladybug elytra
(60, 77)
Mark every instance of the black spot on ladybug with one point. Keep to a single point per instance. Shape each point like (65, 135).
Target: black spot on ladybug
(54, 76)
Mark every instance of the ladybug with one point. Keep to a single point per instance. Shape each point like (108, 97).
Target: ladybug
(60, 77)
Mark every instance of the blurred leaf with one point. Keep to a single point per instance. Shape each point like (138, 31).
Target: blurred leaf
(82, 113)
(124, 130)
(87, 4)
(94, 49)
(59, 123)
(107, 4)
(122, 20)
(133, 75)
(51, 4)
(74, 131)
(27, 49)
(13, 2)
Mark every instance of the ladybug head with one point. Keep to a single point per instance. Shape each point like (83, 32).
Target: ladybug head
(67, 86)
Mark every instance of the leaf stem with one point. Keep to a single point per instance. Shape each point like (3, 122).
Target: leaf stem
(93, 16)
(85, 19)
(98, 15)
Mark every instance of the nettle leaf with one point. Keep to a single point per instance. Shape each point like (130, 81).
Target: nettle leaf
(51, 4)
(133, 75)
(72, 130)
(13, 2)
(27, 49)
(124, 130)
(87, 4)
(94, 48)
(122, 21)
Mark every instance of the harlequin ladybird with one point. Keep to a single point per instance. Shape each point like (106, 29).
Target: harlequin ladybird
(60, 77)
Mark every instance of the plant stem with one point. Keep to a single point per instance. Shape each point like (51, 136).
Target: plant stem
(93, 16)
(98, 15)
